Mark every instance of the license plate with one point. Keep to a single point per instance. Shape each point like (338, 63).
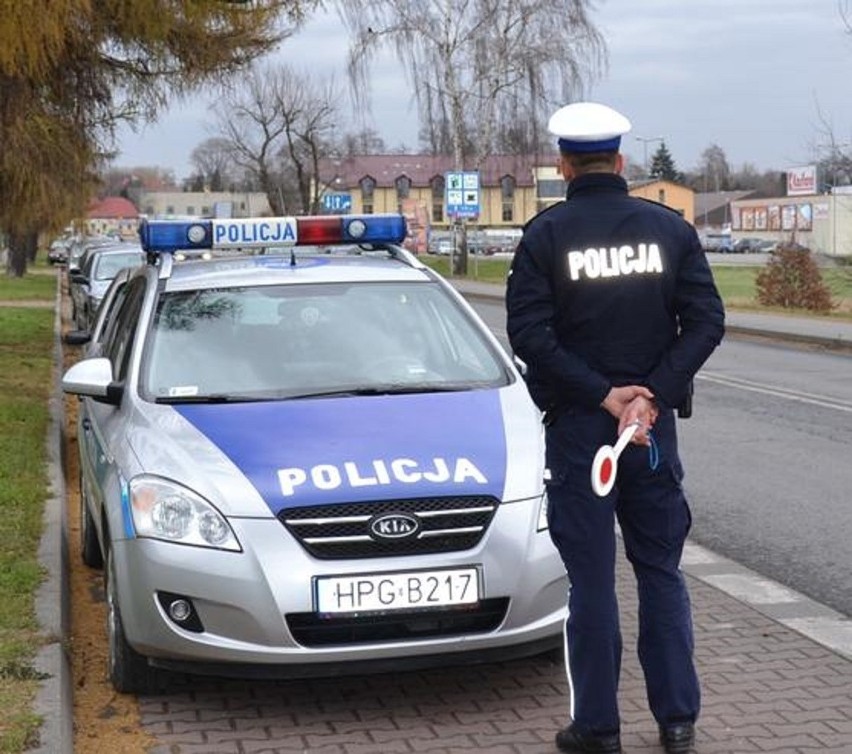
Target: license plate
(397, 591)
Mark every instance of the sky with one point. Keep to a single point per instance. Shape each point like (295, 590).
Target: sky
(765, 80)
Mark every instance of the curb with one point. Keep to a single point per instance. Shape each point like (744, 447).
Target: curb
(54, 701)
(838, 344)
(819, 623)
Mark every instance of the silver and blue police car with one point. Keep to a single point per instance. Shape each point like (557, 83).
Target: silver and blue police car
(307, 458)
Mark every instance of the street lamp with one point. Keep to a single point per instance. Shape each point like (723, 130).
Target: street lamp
(645, 140)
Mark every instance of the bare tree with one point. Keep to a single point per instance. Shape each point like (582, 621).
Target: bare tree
(249, 119)
(477, 64)
(308, 107)
(212, 160)
(715, 168)
(277, 125)
(834, 156)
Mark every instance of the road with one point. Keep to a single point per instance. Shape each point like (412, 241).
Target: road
(767, 462)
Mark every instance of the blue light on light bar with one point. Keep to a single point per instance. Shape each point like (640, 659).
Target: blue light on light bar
(171, 235)
(374, 228)
(271, 232)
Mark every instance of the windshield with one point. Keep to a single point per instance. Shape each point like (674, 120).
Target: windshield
(307, 340)
(107, 266)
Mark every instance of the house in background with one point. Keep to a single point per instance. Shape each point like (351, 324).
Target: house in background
(551, 187)
(369, 184)
(113, 215)
(674, 195)
(118, 216)
(513, 188)
(176, 204)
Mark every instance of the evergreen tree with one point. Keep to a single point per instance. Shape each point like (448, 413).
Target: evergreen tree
(662, 165)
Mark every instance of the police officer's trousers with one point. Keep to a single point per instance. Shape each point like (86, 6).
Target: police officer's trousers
(654, 520)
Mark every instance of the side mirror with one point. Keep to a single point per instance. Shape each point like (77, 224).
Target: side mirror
(79, 277)
(77, 337)
(93, 378)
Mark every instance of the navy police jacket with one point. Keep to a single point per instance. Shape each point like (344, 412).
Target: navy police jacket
(606, 289)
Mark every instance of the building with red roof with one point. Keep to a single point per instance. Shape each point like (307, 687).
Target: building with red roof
(112, 215)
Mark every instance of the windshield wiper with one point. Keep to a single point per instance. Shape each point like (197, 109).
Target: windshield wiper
(213, 398)
(401, 388)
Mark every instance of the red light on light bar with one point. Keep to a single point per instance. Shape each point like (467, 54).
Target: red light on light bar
(319, 230)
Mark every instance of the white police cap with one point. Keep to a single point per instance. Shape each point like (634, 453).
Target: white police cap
(588, 127)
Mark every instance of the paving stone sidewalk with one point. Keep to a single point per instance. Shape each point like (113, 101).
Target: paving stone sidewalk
(766, 688)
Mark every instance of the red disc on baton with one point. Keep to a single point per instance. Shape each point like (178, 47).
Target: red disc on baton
(605, 462)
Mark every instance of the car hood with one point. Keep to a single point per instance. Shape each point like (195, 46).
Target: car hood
(256, 458)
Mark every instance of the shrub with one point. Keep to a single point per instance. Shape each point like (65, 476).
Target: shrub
(793, 280)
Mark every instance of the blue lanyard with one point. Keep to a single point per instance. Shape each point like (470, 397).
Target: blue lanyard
(653, 452)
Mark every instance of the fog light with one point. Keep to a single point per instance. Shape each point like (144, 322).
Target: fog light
(180, 610)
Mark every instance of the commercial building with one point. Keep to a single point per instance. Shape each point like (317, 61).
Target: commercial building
(819, 222)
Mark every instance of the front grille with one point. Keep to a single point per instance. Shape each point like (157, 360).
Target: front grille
(310, 630)
(446, 524)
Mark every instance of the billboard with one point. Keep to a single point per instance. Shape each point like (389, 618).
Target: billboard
(802, 181)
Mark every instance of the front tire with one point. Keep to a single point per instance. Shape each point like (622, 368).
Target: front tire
(129, 671)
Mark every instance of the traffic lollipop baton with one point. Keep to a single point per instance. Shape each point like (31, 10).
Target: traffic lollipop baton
(605, 463)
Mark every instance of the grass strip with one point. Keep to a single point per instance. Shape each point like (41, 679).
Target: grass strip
(38, 284)
(26, 373)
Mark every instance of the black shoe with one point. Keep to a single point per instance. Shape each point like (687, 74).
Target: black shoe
(569, 740)
(678, 738)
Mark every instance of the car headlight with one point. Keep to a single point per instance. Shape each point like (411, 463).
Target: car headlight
(170, 512)
(541, 523)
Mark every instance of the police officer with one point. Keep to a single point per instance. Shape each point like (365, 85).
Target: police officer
(612, 307)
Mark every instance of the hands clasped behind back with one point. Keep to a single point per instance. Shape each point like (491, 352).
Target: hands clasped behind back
(632, 404)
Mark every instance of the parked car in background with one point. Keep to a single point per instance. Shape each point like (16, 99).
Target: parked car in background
(80, 245)
(766, 246)
(91, 336)
(90, 283)
(720, 243)
(58, 251)
(746, 245)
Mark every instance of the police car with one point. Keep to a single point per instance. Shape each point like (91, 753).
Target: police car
(305, 459)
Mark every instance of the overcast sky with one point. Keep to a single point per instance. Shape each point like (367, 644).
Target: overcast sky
(766, 80)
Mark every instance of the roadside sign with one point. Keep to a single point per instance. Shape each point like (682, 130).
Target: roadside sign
(462, 194)
(337, 202)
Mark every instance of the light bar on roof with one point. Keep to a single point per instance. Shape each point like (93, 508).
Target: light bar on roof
(270, 232)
